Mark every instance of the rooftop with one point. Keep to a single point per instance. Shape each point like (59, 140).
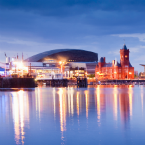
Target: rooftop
(124, 47)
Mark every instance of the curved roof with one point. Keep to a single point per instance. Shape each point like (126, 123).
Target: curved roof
(124, 47)
(75, 53)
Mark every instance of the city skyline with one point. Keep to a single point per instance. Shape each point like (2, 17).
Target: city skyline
(91, 25)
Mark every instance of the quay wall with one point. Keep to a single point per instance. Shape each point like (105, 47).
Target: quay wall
(17, 83)
(122, 81)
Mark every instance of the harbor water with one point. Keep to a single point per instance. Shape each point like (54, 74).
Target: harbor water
(99, 115)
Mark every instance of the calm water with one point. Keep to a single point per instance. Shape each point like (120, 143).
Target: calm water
(94, 116)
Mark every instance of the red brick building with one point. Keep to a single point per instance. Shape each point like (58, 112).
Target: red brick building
(115, 70)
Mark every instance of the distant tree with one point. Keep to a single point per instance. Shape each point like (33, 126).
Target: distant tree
(140, 74)
(135, 76)
(91, 75)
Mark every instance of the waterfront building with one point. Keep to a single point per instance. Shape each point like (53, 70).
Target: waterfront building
(142, 74)
(70, 62)
(115, 70)
(2, 71)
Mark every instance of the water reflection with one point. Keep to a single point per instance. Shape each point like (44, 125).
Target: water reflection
(62, 110)
(115, 102)
(98, 103)
(38, 94)
(142, 92)
(130, 99)
(77, 103)
(54, 104)
(87, 102)
(20, 114)
(68, 109)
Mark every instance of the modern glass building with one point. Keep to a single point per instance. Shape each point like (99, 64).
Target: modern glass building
(63, 61)
(67, 55)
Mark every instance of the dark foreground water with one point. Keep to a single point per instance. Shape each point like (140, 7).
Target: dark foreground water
(94, 116)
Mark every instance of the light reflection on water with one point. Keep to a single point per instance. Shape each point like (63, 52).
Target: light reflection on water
(73, 116)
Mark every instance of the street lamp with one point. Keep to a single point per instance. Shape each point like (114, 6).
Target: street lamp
(61, 64)
(86, 74)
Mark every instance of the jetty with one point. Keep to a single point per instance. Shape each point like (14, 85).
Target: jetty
(17, 83)
(82, 82)
(53, 82)
(133, 81)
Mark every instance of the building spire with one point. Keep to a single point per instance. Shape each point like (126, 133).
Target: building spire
(124, 41)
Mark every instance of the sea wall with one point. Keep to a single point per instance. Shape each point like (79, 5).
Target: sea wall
(17, 83)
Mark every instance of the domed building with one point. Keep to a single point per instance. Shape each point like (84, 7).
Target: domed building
(67, 55)
(70, 62)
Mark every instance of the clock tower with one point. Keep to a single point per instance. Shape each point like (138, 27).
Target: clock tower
(124, 56)
(124, 61)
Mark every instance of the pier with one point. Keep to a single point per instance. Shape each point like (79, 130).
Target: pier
(54, 82)
(122, 81)
(82, 82)
(17, 83)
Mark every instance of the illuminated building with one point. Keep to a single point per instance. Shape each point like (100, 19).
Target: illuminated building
(69, 62)
(115, 70)
(142, 74)
(56, 63)
(67, 55)
(2, 71)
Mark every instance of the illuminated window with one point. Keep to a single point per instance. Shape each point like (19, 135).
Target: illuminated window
(125, 56)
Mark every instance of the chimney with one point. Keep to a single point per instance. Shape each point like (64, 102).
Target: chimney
(104, 60)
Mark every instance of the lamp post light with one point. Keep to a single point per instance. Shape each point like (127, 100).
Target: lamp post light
(130, 74)
(86, 74)
(61, 64)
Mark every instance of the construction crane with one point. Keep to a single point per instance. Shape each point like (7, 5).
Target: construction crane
(5, 63)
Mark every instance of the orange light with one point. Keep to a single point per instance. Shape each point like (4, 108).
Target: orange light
(130, 72)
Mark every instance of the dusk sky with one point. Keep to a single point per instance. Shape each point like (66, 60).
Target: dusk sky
(34, 26)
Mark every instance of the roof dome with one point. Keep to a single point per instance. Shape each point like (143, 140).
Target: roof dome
(69, 55)
(124, 47)
(101, 59)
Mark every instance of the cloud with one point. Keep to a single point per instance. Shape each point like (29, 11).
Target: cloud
(34, 26)
(114, 52)
(51, 6)
(140, 36)
(141, 59)
(12, 46)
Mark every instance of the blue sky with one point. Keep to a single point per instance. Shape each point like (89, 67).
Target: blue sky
(34, 26)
